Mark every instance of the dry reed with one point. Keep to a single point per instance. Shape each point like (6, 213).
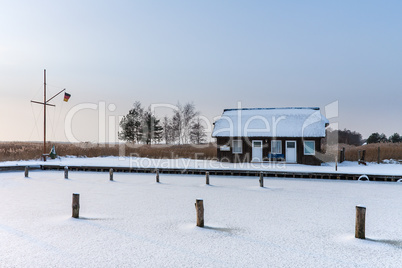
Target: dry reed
(10, 151)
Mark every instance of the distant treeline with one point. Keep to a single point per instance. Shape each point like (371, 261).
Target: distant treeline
(345, 136)
(350, 137)
(141, 126)
(377, 138)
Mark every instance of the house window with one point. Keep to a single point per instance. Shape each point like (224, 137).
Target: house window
(237, 147)
(309, 147)
(276, 147)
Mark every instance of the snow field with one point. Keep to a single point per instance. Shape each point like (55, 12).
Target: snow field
(134, 221)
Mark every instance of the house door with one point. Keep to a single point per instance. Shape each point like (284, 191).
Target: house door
(257, 151)
(291, 152)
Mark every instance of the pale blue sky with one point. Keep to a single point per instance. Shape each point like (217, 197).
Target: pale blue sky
(214, 53)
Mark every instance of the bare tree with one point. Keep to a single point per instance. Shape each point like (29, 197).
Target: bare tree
(177, 130)
(168, 134)
(189, 113)
(177, 124)
(197, 132)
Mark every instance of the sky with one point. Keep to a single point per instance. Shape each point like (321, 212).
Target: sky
(216, 54)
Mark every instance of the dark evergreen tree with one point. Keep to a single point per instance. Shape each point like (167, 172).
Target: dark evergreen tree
(152, 130)
(395, 138)
(132, 124)
(376, 138)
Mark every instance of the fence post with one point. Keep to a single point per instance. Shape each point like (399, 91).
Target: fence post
(76, 205)
(199, 207)
(379, 158)
(26, 171)
(111, 174)
(157, 175)
(66, 172)
(336, 163)
(358, 156)
(261, 180)
(360, 228)
(207, 177)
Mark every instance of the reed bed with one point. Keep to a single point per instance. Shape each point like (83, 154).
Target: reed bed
(11, 151)
(387, 151)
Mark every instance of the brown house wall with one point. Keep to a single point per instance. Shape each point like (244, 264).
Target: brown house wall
(246, 155)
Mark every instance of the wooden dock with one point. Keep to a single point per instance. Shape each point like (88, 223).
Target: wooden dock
(228, 172)
(212, 172)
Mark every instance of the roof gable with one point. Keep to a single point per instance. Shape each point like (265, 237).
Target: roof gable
(271, 122)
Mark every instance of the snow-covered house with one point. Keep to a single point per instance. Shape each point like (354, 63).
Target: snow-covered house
(266, 134)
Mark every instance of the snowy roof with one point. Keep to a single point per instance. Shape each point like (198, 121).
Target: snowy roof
(271, 122)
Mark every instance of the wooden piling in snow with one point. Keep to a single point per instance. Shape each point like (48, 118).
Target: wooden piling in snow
(76, 205)
(111, 174)
(379, 156)
(261, 180)
(157, 175)
(66, 172)
(336, 163)
(26, 171)
(207, 177)
(199, 207)
(360, 228)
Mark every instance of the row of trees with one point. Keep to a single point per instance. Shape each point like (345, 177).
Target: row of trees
(377, 138)
(345, 136)
(141, 126)
(184, 127)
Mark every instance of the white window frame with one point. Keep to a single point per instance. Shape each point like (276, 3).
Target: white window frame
(234, 147)
(280, 143)
(304, 147)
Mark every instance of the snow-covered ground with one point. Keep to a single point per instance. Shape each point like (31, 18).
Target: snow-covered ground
(136, 222)
(345, 167)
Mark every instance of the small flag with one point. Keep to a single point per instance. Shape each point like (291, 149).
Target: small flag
(66, 97)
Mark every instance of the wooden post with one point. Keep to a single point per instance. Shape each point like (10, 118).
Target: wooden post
(336, 163)
(207, 178)
(261, 180)
(76, 205)
(358, 156)
(66, 172)
(44, 115)
(26, 171)
(360, 228)
(111, 174)
(342, 155)
(378, 157)
(157, 175)
(199, 207)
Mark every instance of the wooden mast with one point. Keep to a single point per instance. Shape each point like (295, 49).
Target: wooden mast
(45, 103)
(44, 114)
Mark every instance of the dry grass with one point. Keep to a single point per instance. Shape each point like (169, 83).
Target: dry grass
(387, 151)
(10, 151)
